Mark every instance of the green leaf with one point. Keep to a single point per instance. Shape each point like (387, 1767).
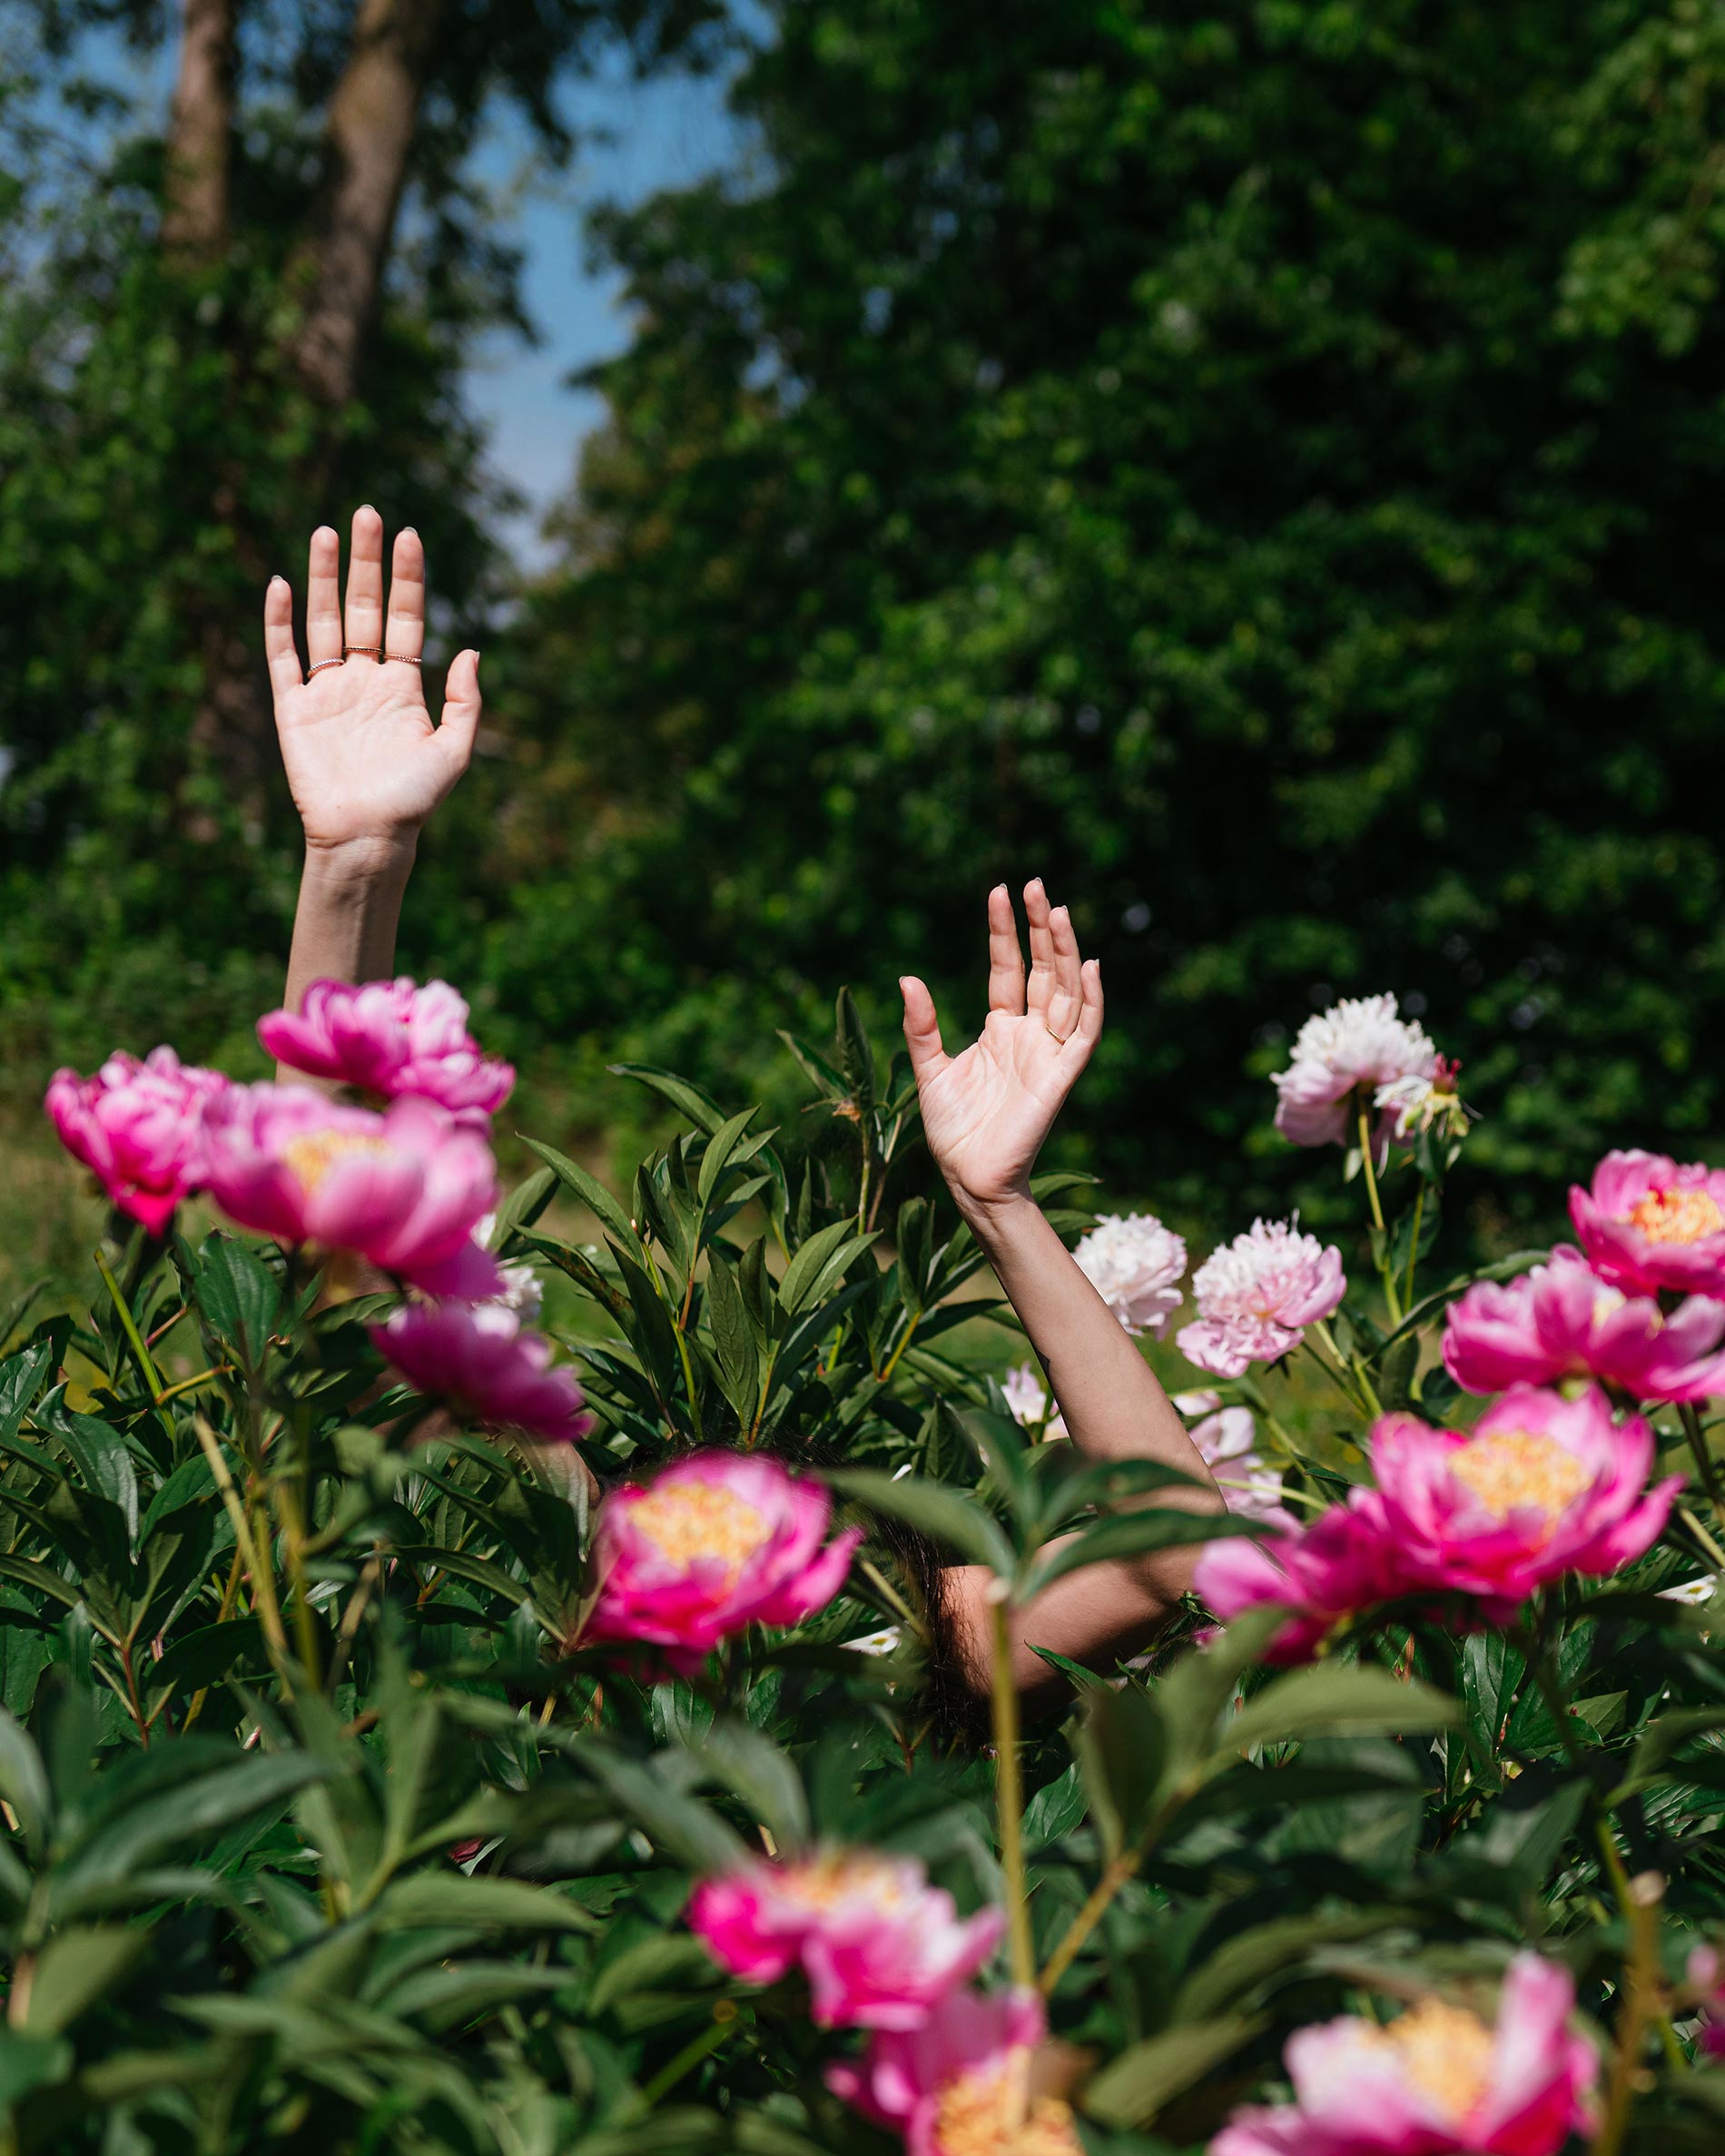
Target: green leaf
(21, 1379)
(754, 1770)
(592, 1194)
(239, 1298)
(819, 1262)
(1133, 2088)
(856, 1054)
(689, 1100)
(1131, 1534)
(511, 1904)
(936, 1509)
(75, 1968)
(30, 2063)
(1334, 1697)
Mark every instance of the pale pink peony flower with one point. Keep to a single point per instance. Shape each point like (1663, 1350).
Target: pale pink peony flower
(1561, 1320)
(1353, 1052)
(1543, 1486)
(712, 1544)
(1136, 1265)
(1029, 1403)
(479, 1358)
(1437, 2080)
(521, 1290)
(138, 1128)
(390, 1038)
(964, 2083)
(1257, 1294)
(1227, 1442)
(880, 1946)
(1416, 1104)
(404, 1188)
(1341, 1563)
(1648, 1225)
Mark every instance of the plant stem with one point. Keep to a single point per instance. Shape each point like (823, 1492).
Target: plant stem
(1119, 1870)
(1009, 1799)
(1385, 1272)
(1413, 1245)
(892, 1360)
(1551, 1691)
(128, 1325)
(1701, 1536)
(1637, 1997)
(1704, 1466)
(691, 2055)
(262, 1579)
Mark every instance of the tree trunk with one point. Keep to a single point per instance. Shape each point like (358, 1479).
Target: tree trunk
(194, 214)
(368, 136)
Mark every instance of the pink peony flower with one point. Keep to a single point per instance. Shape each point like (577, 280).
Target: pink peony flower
(138, 1128)
(390, 1038)
(1029, 1405)
(1227, 1442)
(880, 1946)
(1706, 1980)
(1544, 1486)
(1341, 1563)
(1647, 1224)
(1256, 1296)
(403, 1188)
(1561, 1320)
(712, 1544)
(1136, 1265)
(479, 1358)
(1356, 1050)
(964, 2083)
(1437, 2080)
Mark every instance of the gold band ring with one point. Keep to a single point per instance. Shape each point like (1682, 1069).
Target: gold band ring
(319, 666)
(364, 651)
(406, 657)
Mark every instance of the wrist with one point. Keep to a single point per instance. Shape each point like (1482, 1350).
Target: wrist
(993, 1217)
(362, 866)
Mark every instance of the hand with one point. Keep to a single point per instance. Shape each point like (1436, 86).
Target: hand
(987, 1112)
(364, 763)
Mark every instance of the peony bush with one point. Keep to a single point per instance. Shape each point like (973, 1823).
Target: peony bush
(474, 1679)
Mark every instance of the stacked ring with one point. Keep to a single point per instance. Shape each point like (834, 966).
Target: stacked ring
(364, 651)
(319, 666)
(406, 657)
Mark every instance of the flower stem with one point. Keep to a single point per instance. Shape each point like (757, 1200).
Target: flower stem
(1009, 1801)
(1637, 1997)
(128, 1325)
(1385, 1272)
(1119, 1870)
(1413, 1245)
(1704, 1465)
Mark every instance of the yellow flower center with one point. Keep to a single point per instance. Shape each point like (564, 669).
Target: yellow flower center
(991, 2114)
(1677, 1216)
(826, 1880)
(1518, 1469)
(312, 1154)
(691, 1522)
(1445, 2053)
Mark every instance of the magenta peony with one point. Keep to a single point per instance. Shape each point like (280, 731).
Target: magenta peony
(964, 2083)
(138, 1128)
(1437, 2080)
(1561, 1320)
(1341, 1563)
(404, 1188)
(1648, 1224)
(1541, 1487)
(880, 1946)
(390, 1038)
(1136, 1265)
(715, 1543)
(1707, 1980)
(1352, 1054)
(479, 1358)
(1257, 1294)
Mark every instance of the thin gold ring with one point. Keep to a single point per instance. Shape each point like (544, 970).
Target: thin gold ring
(319, 666)
(406, 658)
(1059, 1039)
(365, 651)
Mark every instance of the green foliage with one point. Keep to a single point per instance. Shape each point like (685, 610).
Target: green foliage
(324, 1830)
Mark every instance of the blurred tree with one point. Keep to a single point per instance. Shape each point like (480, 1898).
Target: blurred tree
(1252, 463)
(214, 335)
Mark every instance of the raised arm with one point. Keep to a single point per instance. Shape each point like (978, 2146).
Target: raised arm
(986, 1113)
(365, 765)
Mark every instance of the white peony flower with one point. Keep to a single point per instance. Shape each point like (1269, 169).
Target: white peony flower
(1136, 1265)
(522, 1291)
(1692, 1590)
(885, 1641)
(1030, 1404)
(1414, 1104)
(1358, 1044)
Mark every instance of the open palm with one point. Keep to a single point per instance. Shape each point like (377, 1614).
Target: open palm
(987, 1111)
(363, 760)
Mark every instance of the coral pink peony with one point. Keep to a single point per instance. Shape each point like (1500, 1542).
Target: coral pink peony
(1648, 1224)
(1136, 1265)
(1437, 2080)
(964, 2083)
(1561, 1320)
(880, 1946)
(716, 1543)
(390, 1038)
(1544, 1486)
(479, 1358)
(1256, 1296)
(1342, 1562)
(404, 1188)
(1352, 1054)
(138, 1128)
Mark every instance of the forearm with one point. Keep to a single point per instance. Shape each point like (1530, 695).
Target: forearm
(350, 906)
